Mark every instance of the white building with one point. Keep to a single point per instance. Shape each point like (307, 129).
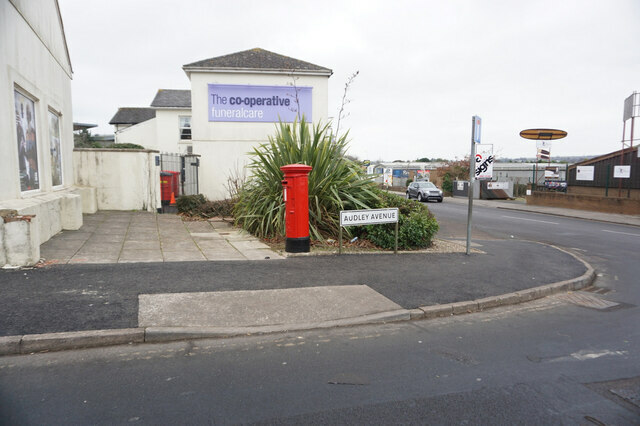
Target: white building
(36, 128)
(230, 109)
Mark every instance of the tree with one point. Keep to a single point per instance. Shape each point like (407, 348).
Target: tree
(84, 139)
(455, 170)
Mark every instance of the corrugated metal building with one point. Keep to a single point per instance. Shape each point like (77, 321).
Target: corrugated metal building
(596, 176)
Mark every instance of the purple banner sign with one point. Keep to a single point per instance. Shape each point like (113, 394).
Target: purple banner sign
(266, 104)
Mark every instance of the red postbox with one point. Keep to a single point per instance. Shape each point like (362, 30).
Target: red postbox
(296, 199)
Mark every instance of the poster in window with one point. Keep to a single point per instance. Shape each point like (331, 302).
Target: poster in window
(27, 144)
(56, 154)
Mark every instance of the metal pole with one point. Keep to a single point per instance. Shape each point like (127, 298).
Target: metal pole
(633, 119)
(395, 250)
(472, 172)
(340, 240)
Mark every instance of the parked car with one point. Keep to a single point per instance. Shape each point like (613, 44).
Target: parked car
(424, 191)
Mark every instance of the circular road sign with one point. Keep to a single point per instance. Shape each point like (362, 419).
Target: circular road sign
(543, 134)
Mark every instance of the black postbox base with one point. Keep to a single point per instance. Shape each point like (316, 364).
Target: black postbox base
(297, 245)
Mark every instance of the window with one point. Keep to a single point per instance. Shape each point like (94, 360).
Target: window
(185, 127)
(27, 143)
(54, 146)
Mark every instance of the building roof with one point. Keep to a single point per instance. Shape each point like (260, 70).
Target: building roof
(608, 156)
(83, 126)
(133, 115)
(170, 98)
(256, 60)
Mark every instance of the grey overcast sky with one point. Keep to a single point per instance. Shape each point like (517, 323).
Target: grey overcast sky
(426, 67)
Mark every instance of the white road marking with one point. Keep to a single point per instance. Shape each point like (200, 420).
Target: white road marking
(623, 233)
(531, 220)
(584, 355)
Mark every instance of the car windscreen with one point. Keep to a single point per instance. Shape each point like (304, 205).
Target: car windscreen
(426, 185)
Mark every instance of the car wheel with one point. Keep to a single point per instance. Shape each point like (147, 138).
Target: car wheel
(419, 197)
(408, 198)
(440, 200)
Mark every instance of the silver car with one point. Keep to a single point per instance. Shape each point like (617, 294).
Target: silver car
(424, 191)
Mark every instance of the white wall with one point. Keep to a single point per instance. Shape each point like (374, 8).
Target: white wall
(36, 63)
(168, 130)
(124, 179)
(161, 133)
(224, 145)
(143, 134)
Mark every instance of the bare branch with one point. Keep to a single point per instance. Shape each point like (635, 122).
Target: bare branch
(345, 101)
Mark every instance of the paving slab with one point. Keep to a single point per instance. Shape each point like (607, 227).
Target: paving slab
(94, 258)
(106, 238)
(199, 226)
(175, 245)
(110, 236)
(72, 235)
(66, 245)
(223, 255)
(206, 236)
(141, 245)
(260, 307)
(220, 244)
(97, 247)
(143, 236)
(248, 244)
(138, 255)
(182, 256)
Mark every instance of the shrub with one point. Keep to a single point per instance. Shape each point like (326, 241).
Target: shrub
(519, 189)
(88, 144)
(199, 206)
(335, 182)
(447, 183)
(189, 204)
(416, 225)
(126, 146)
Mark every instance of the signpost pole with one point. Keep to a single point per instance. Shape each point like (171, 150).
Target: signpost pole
(340, 240)
(472, 171)
(395, 250)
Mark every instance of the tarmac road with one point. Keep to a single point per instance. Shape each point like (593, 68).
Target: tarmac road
(544, 362)
(105, 296)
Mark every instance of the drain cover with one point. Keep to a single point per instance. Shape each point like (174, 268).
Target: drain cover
(587, 300)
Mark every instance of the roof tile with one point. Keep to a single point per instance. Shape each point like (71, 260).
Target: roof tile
(133, 115)
(170, 98)
(258, 59)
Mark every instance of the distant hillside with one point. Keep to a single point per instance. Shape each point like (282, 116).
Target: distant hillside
(560, 159)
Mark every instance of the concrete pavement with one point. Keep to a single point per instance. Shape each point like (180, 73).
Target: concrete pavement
(133, 237)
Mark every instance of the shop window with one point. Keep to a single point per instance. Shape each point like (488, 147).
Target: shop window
(55, 149)
(185, 127)
(25, 114)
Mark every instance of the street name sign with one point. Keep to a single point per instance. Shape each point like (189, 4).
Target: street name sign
(368, 217)
(477, 129)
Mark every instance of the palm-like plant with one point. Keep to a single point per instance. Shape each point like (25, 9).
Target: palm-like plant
(335, 183)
